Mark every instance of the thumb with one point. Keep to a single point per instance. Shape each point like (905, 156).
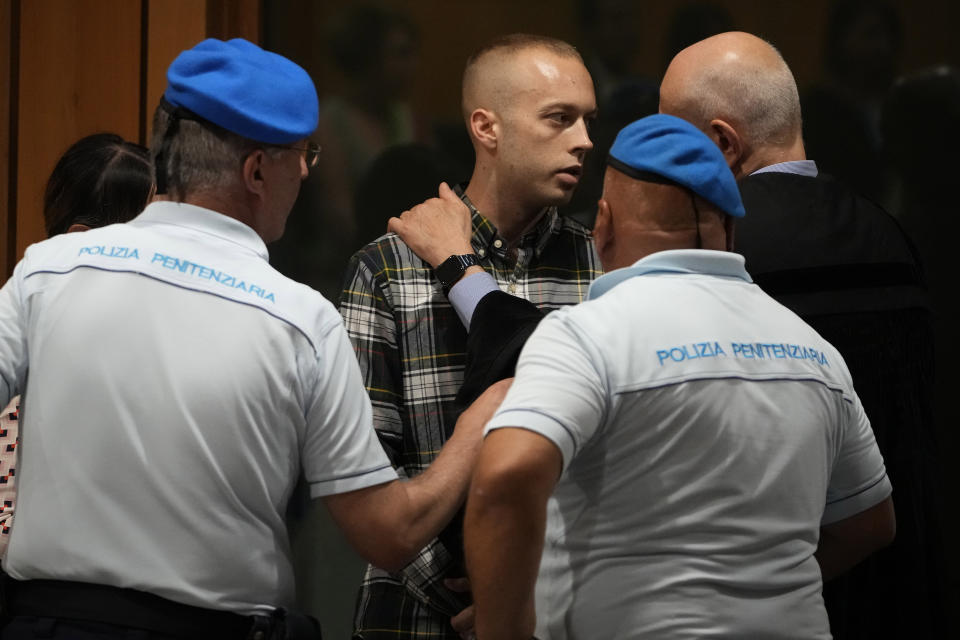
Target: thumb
(395, 225)
(446, 193)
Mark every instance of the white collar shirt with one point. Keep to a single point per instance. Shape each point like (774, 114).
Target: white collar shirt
(177, 386)
(707, 433)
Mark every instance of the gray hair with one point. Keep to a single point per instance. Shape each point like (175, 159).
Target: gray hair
(199, 157)
(763, 101)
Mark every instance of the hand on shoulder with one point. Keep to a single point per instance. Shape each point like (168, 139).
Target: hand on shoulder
(437, 228)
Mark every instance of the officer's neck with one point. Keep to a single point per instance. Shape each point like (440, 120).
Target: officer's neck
(226, 203)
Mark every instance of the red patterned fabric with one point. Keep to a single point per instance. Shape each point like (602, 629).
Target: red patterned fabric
(9, 433)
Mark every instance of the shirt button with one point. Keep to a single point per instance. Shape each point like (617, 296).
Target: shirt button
(512, 288)
(498, 243)
(481, 252)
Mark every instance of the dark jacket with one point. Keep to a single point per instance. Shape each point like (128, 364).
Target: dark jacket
(845, 266)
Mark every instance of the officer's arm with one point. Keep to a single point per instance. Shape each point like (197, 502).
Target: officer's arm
(388, 524)
(846, 542)
(858, 518)
(504, 528)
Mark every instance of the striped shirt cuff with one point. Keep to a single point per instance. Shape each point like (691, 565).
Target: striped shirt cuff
(467, 293)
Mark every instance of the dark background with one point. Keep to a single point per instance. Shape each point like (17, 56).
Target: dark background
(904, 157)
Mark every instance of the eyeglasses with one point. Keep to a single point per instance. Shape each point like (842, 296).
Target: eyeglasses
(310, 153)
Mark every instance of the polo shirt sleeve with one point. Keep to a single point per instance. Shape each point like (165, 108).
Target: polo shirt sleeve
(13, 338)
(858, 479)
(341, 451)
(559, 389)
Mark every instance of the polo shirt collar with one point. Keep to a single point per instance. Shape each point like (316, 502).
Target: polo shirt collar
(180, 214)
(721, 264)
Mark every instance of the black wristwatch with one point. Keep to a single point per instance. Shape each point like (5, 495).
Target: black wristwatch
(451, 270)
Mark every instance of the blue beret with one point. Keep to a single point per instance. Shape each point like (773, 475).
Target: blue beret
(237, 85)
(674, 149)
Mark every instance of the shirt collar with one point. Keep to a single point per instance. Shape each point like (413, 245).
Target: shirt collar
(799, 167)
(721, 264)
(180, 214)
(485, 235)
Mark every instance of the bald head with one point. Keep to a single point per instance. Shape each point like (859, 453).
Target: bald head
(740, 79)
(638, 217)
(494, 74)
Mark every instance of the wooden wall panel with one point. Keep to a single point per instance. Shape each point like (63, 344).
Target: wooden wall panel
(79, 74)
(7, 230)
(172, 26)
(228, 19)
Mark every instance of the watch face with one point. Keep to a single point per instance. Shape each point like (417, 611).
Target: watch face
(450, 271)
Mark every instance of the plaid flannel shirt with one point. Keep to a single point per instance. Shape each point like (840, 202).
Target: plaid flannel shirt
(9, 437)
(412, 350)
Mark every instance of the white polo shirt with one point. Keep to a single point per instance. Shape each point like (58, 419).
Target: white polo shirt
(707, 432)
(177, 385)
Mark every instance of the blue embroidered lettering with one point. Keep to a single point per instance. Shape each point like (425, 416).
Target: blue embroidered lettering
(112, 252)
(208, 273)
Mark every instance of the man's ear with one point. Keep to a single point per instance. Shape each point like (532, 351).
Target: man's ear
(253, 172)
(730, 143)
(483, 128)
(603, 231)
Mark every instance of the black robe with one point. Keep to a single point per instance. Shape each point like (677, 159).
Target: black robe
(845, 266)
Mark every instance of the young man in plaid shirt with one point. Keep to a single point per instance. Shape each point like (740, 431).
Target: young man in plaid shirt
(527, 102)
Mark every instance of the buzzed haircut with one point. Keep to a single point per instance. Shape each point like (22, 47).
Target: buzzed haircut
(514, 43)
(520, 41)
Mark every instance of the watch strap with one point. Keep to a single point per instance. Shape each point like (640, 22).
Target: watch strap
(452, 269)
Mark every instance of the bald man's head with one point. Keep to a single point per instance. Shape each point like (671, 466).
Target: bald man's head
(636, 218)
(490, 80)
(740, 79)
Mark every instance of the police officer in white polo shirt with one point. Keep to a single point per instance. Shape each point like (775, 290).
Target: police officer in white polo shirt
(175, 385)
(680, 456)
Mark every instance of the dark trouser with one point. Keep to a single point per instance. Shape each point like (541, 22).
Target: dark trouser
(58, 609)
(29, 627)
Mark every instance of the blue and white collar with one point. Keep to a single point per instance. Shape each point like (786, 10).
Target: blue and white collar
(209, 221)
(722, 264)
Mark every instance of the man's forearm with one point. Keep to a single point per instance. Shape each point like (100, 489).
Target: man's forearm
(504, 542)
(432, 498)
(504, 530)
(845, 543)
